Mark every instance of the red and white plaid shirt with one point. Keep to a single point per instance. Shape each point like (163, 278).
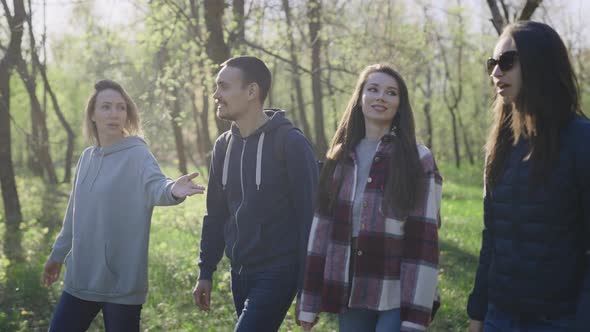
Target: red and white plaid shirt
(396, 259)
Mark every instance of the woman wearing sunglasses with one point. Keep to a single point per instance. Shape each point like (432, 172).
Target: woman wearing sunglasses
(373, 245)
(534, 267)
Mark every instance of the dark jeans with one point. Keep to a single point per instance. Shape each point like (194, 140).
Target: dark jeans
(262, 299)
(75, 315)
(364, 320)
(498, 320)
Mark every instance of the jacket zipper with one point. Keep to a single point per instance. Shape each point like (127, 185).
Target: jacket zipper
(241, 203)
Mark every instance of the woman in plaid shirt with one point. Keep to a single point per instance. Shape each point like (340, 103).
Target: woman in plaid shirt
(373, 247)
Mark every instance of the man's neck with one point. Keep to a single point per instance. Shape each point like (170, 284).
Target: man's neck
(251, 122)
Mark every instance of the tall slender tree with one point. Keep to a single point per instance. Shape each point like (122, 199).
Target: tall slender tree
(314, 17)
(12, 211)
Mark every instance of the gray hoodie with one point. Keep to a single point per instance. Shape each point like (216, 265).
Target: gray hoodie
(105, 234)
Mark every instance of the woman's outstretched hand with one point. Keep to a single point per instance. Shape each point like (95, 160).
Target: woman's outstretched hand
(184, 186)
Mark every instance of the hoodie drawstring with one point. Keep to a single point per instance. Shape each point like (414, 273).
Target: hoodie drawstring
(226, 159)
(101, 156)
(226, 162)
(259, 161)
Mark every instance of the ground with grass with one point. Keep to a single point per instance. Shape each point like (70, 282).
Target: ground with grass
(26, 306)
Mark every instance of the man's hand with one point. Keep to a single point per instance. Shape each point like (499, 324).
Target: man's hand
(202, 294)
(475, 326)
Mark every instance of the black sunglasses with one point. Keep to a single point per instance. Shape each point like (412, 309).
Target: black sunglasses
(505, 61)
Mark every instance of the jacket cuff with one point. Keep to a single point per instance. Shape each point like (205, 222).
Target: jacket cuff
(206, 274)
(307, 316)
(57, 255)
(476, 309)
(412, 327)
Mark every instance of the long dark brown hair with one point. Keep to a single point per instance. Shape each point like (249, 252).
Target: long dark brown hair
(404, 169)
(547, 101)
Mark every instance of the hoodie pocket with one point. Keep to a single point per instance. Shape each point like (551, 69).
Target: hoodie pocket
(90, 270)
(107, 263)
(249, 247)
(122, 278)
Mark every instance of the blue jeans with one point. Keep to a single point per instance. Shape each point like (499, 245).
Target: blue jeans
(262, 299)
(498, 320)
(364, 320)
(75, 315)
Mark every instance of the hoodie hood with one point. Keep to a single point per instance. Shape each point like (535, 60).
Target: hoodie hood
(124, 144)
(276, 119)
(97, 154)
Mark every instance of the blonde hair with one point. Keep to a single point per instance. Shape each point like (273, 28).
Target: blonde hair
(132, 125)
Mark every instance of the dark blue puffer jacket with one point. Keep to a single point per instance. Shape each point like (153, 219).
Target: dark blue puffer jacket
(534, 260)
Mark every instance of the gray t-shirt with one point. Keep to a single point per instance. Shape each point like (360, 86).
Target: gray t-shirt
(365, 151)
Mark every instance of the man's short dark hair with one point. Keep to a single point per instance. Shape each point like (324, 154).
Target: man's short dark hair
(253, 71)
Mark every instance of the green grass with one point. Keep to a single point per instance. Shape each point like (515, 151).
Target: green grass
(174, 243)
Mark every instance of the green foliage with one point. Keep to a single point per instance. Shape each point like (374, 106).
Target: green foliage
(160, 57)
(174, 246)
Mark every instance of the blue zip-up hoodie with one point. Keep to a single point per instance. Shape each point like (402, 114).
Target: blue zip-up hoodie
(259, 208)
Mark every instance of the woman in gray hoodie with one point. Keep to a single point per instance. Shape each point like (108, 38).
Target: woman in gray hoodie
(105, 234)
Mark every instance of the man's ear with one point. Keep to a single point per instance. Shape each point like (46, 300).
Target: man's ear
(253, 91)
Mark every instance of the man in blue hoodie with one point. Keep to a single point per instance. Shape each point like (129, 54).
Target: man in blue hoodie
(260, 199)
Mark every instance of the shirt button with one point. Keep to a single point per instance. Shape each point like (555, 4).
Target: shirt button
(359, 252)
(377, 159)
(369, 180)
(363, 226)
(365, 204)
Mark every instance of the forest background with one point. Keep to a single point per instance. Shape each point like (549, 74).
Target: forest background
(166, 54)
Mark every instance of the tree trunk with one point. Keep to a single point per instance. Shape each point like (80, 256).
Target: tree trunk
(466, 140)
(203, 137)
(452, 95)
(529, 9)
(455, 138)
(216, 48)
(428, 120)
(428, 108)
(271, 93)
(33, 162)
(295, 73)
(314, 17)
(500, 21)
(42, 144)
(237, 35)
(177, 130)
(331, 92)
(12, 212)
(203, 140)
(208, 145)
(71, 136)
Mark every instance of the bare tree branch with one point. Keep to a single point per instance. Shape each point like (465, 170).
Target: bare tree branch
(280, 57)
(506, 11)
(529, 9)
(6, 11)
(497, 19)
